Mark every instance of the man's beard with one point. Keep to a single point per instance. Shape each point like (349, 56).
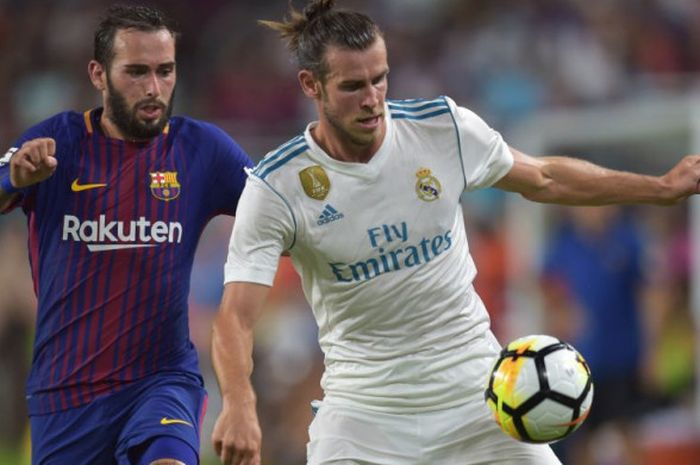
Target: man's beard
(361, 140)
(342, 131)
(125, 118)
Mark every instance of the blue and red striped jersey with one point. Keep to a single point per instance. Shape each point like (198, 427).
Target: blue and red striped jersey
(112, 238)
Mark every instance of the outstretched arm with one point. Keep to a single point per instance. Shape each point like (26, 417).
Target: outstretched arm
(237, 436)
(572, 181)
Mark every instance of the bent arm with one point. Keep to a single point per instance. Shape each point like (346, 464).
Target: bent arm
(34, 162)
(571, 181)
(237, 431)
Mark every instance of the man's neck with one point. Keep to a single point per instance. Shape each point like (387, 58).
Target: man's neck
(342, 148)
(110, 129)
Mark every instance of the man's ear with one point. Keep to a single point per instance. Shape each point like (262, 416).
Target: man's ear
(98, 75)
(309, 84)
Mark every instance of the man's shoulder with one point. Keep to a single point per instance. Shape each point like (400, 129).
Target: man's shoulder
(64, 119)
(61, 126)
(419, 109)
(282, 160)
(67, 117)
(197, 128)
(187, 123)
(199, 136)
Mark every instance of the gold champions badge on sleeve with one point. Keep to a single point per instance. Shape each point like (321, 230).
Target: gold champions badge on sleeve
(315, 182)
(428, 187)
(164, 185)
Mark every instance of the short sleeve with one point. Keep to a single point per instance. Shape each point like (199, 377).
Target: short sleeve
(230, 176)
(486, 158)
(263, 229)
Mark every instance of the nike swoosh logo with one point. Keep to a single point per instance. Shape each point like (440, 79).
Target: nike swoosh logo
(77, 187)
(174, 421)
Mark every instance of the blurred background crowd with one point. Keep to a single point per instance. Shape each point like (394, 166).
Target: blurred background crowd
(612, 279)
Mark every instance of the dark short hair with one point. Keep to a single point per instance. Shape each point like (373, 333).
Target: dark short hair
(139, 17)
(310, 32)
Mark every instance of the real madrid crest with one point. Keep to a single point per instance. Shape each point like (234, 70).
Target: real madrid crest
(315, 182)
(428, 187)
(164, 185)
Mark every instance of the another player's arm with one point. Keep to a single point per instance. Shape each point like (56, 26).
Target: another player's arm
(572, 181)
(237, 436)
(32, 163)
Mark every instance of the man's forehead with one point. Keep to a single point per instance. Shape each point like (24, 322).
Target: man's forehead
(348, 64)
(144, 46)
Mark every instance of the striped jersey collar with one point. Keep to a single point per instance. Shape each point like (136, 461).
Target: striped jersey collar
(92, 121)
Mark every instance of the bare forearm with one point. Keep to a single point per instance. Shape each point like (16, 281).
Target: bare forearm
(232, 357)
(232, 340)
(577, 182)
(571, 181)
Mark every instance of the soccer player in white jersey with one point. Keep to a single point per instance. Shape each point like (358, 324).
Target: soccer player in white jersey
(366, 202)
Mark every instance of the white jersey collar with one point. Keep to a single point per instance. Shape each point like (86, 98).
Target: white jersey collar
(369, 169)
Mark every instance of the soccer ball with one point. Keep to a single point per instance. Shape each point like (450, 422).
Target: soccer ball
(540, 389)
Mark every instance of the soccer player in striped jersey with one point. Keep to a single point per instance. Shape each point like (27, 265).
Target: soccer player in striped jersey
(116, 199)
(366, 202)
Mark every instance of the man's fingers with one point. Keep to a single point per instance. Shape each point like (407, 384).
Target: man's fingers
(47, 150)
(226, 456)
(34, 162)
(253, 459)
(225, 453)
(25, 162)
(38, 151)
(48, 153)
(43, 150)
(50, 147)
(235, 456)
(34, 154)
(247, 457)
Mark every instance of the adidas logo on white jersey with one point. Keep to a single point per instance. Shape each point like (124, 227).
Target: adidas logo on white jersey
(329, 215)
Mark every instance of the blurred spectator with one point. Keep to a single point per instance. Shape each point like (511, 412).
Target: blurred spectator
(671, 328)
(483, 219)
(505, 59)
(592, 283)
(17, 303)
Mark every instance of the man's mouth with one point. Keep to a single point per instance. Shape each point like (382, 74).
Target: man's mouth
(370, 121)
(151, 111)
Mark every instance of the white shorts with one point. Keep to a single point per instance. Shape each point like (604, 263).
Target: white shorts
(464, 435)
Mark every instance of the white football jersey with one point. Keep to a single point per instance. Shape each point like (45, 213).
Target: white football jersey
(382, 254)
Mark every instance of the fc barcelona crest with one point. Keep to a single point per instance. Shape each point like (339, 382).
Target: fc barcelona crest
(428, 187)
(164, 185)
(315, 182)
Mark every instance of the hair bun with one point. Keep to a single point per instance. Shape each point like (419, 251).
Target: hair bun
(317, 8)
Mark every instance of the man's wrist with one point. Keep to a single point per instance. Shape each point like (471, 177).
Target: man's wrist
(7, 187)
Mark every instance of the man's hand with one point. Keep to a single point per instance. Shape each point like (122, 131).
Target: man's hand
(33, 162)
(683, 180)
(236, 436)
